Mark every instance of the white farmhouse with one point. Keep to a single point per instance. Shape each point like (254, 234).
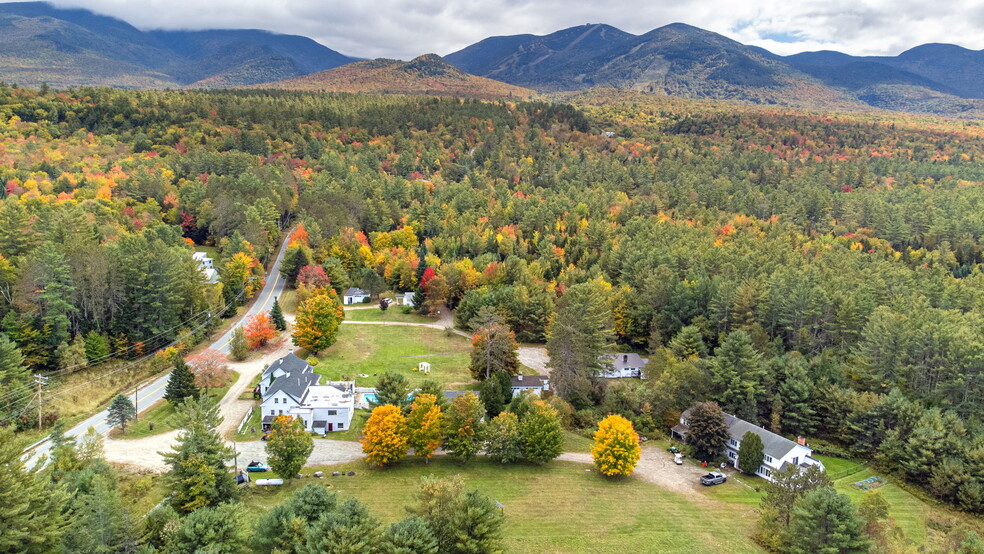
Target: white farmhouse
(207, 267)
(285, 395)
(282, 366)
(326, 408)
(780, 452)
(355, 296)
(616, 366)
(534, 383)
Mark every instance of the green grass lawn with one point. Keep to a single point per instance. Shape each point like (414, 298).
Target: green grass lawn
(394, 313)
(560, 507)
(369, 349)
(908, 512)
(163, 417)
(574, 442)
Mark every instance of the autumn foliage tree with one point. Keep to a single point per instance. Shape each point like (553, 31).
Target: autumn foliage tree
(424, 424)
(313, 276)
(209, 369)
(463, 427)
(318, 319)
(385, 436)
(259, 329)
(289, 446)
(616, 449)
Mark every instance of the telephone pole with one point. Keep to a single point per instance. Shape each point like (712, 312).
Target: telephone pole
(40, 381)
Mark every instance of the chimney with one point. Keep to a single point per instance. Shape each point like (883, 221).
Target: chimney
(520, 377)
(625, 359)
(801, 441)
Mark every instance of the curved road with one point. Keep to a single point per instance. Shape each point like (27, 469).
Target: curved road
(151, 392)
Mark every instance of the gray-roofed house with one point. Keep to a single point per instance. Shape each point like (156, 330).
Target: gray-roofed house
(615, 366)
(534, 383)
(779, 451)
(355, 296)
(206, 266)
(406, 299)
(286, 394)
(326, 408)
(282, 366)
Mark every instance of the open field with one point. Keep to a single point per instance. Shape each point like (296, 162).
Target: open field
(374, 349)
(560, 507)
(394, 313)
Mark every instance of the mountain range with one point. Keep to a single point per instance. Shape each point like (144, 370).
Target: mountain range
(67, 47)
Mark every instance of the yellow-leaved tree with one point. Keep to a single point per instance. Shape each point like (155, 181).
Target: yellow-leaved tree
(318, 319)
(384, 439)
(616, 449)
(425, 425)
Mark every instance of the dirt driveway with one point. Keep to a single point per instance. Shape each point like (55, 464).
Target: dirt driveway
(656, 466)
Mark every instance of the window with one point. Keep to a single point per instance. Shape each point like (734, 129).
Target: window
(332, 412)
(765, 471)
(796, 461)
(271, 412)
(768, 458)
(731, 455)
(281, 412)
(733, 442)
(341, 425)
(276, 400)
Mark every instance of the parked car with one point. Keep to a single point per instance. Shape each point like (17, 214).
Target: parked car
(257, 467)
(713, 478)
(678, 459)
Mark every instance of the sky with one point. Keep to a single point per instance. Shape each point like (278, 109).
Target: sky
(406, 29)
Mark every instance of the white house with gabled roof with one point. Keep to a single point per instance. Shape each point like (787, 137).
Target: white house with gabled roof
(780, 452)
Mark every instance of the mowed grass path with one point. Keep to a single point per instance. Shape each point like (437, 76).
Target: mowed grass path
(560, 507)
(372, 349)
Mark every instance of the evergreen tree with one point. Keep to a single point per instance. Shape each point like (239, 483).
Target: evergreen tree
(541, 433)
(505, 386)
(181, 384)
(688, 344)
(434, 388)
(13, 376)
(34, 509)
(288, 446)
(349, 529)
(283, 528)
(825, 522)
(503, 442)
(751, 453)
(478, 525)
(198, 474)
(796, 392)
(99, 522)
(221, 529)
(53, 280)
(121, 411)
(412, 535)
(71, 355)
(788, 486)
(491, 395)
(580, 331)
(738, 376)
(460, 522)
(392, 388)
(707, 432)
(277, 315)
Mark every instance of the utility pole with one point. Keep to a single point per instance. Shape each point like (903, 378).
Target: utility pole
(40, 381)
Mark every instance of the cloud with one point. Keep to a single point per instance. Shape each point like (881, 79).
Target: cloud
(404, 29)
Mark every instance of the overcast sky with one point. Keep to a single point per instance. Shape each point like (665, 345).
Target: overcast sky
(405, 29)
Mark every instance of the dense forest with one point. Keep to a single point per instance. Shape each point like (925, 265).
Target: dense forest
(817, 274)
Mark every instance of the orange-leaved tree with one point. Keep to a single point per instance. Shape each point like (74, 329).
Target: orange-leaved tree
(616, 449)
(318, 319)
(259, 329)
(209, 368)
(384, 438)
(425, 421)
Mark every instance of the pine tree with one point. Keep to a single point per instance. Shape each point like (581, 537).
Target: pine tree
(796, 392)
(181, 384)
(738, 376)
(277, 315)
(616, 449)
(503, 442)
(478, 524)
(542, 435)
(579, 332)
(283, 528)
(751, 453)
(412, 535)
(461, 522)
(221, 528)
(35, 512)
(99, 522)
(491, 395)
(13, 375)
(707, 431)
(121, 411)
(688, 344)
(198, 474)
(348, 529)
(825, 522)
(394, 389)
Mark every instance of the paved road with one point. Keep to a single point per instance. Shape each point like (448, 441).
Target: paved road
(152, 392)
